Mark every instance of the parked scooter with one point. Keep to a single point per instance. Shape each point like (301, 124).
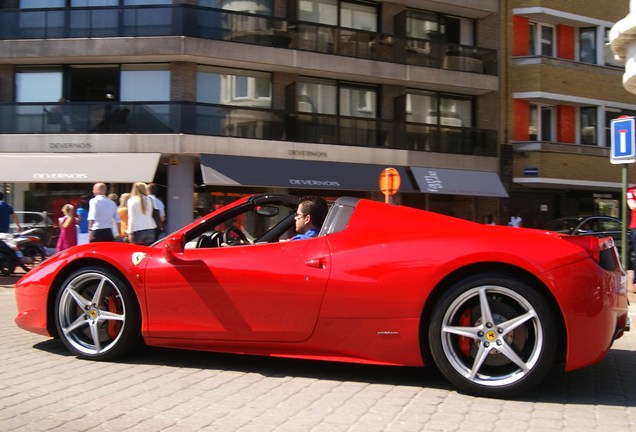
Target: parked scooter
(31, 246)
(11, 255)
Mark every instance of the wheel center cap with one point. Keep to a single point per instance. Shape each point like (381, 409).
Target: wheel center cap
(491, 335)
(93, 314)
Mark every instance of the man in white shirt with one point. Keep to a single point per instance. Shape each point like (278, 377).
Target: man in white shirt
(102, 215)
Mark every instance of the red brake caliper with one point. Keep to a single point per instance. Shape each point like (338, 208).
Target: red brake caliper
(113, 326)
(464, 342)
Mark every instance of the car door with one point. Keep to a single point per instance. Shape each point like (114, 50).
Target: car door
(262, 292)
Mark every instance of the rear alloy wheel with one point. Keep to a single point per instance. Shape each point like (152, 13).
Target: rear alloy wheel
(97, 315)
(493, 336)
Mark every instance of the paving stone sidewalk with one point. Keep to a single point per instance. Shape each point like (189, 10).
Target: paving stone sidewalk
(44, 388)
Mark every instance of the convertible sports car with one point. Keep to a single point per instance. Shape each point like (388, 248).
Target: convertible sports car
(494, 308)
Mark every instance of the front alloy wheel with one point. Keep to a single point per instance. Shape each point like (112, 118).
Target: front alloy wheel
(493, 336)
(97, 315)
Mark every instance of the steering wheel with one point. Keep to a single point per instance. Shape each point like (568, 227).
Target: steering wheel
(234, 230)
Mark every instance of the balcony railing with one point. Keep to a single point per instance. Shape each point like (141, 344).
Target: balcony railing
(241, 122)
(217, 24)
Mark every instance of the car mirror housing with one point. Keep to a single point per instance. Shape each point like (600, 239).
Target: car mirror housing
(174, 244)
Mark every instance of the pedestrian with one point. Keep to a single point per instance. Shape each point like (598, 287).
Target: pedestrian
(141, 224)
(6, 214)
(102, 216)
(515, 220)
(159, 212)
(82, 214)
(68, 228)
(123, 215)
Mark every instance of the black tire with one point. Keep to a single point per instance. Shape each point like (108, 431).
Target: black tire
(36, 253)
(7, 264)
(97, 315)
(503, 355)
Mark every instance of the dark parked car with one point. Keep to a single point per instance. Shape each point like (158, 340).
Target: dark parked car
(599, 226)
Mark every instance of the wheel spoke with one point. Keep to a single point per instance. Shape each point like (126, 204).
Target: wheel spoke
(486, 314)
(507, 350)
(110, 316)
(470, 332)
(480, 357)
(98, 292)
(81, 301)
(95, 336)
(79, 322)
(514, 323)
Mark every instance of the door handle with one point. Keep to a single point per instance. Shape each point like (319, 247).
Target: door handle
(320, 263)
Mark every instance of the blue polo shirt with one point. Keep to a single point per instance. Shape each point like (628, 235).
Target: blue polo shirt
(5, 216)
(309, 234)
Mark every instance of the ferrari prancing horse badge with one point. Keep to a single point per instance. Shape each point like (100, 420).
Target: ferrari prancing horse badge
(137, 257)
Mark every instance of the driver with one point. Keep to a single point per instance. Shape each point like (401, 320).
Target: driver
(310, 215)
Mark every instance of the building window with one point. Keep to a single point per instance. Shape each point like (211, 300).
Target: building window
(442, 109)
(437, 27)
(145, 83)
(234, 87)
(542, 123)
(333, 98)
(39, 85)
(587, 45)
(317, 96)
(587, 121)
(359, 16)
(263, 7)
(541, 39)
(318, 11)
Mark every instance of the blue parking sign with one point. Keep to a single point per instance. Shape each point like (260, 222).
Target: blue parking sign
(623, 143)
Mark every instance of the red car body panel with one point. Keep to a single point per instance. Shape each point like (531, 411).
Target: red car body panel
(354, 295)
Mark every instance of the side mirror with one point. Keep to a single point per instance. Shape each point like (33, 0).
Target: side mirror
(174, 244)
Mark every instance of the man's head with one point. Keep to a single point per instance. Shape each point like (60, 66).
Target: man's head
(310, 214)
(151, 189)
(99, 189)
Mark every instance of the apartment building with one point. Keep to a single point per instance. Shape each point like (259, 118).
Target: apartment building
(216, 98)
(563, 89)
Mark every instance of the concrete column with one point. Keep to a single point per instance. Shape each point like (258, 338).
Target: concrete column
(180, 201)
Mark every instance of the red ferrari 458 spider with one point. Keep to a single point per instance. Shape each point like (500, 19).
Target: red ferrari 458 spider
(494, 308)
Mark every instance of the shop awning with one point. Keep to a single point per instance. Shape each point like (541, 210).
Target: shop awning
(224, 170)
(459, 182)
(78, 167)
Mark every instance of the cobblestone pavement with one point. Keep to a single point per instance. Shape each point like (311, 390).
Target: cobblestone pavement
(44, 388)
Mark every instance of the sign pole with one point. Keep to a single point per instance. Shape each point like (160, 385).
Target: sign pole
(624, 239)
(623, 151)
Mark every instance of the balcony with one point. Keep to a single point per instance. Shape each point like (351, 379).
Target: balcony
(241, 122)
(217, 24)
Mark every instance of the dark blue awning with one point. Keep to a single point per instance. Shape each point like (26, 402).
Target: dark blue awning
(224, 170)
